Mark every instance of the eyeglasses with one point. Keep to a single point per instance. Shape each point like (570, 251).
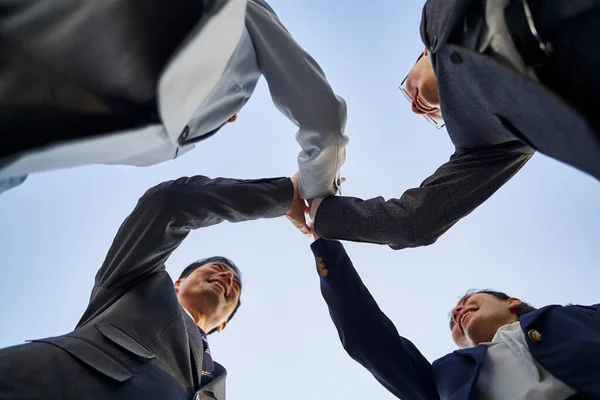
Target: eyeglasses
(402, 87)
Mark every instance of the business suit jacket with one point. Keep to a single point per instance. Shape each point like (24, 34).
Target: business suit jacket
(156, 103)
(134, 340)
(565, 340)
(495, 117)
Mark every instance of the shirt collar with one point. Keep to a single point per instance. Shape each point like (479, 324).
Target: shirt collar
(190, 314)
(498, 337)
(512, 336)
(187, 312)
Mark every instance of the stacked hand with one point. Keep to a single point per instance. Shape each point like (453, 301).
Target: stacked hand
(298, 210)
(300, 207)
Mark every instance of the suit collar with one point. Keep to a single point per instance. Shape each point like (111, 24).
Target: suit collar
(196, 343)
(477, 353)
(216, 388)
(439, 19)
(528, 319)
(456, 373)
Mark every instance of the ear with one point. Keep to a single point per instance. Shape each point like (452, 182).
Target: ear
(513, 304)
(176, 285)
(222, 326)
(232, 119)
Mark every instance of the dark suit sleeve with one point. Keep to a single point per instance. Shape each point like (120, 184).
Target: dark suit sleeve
(167, 213)
(423, 214)
(366, 333)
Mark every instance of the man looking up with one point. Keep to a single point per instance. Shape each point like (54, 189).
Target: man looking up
(143, 336)
(507, 78)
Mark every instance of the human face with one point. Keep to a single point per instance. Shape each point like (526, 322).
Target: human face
(212, 293)
(421, 89)
(477, 317)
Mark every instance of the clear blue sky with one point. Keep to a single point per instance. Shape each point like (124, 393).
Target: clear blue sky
(537, 238)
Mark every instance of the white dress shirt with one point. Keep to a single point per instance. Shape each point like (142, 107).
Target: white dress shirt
(510, 372)
(496, 37)
(189, 78)
(208, 80)
(187, 312)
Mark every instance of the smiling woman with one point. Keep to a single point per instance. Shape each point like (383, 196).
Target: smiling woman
(480, 313)
(502, 353)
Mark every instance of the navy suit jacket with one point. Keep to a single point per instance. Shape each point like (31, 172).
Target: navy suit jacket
(569, 347)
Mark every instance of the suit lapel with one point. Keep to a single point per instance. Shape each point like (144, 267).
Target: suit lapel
(196, 345)
(478, 354)
(528, 319)
(216, 388)
(440, 18)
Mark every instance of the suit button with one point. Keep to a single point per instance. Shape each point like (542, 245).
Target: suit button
(455, 58)
(324, 272)
(534, 336)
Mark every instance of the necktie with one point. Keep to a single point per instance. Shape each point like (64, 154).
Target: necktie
(208, 366)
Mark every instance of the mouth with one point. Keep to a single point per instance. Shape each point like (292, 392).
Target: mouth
(463, 319)
(221, 287)
(422, 105)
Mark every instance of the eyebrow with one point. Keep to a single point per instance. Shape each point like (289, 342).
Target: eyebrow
(464, 300)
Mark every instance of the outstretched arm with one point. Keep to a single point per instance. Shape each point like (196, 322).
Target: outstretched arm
(167, 213)
(421, 215)
(302, 93)
(367, 334)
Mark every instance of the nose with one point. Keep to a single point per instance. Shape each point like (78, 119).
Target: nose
(228, 276)
(411, 89)
(456, 311)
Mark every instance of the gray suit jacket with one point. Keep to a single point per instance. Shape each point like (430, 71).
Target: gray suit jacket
(299, 89)
(297, 84)
(134, 341)
(496, 118)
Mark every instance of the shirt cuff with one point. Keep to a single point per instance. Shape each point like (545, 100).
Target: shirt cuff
(314, 207)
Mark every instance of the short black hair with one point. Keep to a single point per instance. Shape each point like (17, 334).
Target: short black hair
(524, 308)
(217, 259)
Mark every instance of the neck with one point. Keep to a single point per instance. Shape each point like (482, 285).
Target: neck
(199, 319)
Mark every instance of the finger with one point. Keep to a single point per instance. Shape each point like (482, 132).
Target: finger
(304, 229)
(300, 223)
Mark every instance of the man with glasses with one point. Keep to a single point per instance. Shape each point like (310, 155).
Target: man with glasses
(506, 78)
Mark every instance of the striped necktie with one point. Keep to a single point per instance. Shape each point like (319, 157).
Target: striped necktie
(208, 365)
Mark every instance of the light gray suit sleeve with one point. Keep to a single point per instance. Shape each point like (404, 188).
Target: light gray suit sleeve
(301, 92)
